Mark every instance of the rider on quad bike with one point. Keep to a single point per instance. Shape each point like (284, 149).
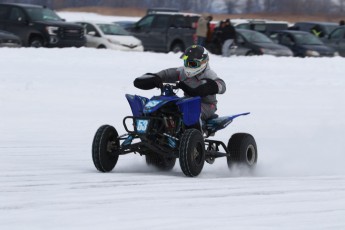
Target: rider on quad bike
(167, 127)
(195, 78)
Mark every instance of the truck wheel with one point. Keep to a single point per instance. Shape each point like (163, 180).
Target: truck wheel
(192, 152)
(177, 47)
(36, 42)
(159, 162)
(250, 53)
(104, 147)
(243, 150)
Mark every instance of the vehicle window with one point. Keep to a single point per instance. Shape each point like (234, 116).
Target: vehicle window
(337, 34)
(3, 12)
(287, 40)
(161, 21)
(42, 14)
(307, 39)
(330, 28)
(304, 26)
(190, 22)
(243, 26)
(112, 29)
(275, 37)
(90, 28)
(256, 37)
(240, 39)
(16, 14)
(277, 26)
(178, 22)
(146, 22)
(258, 27)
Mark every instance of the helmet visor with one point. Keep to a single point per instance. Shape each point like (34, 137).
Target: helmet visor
(192, 63)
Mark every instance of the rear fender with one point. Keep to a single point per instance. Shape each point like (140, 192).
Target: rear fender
(215, 124)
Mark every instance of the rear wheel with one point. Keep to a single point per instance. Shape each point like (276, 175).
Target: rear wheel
(243, 150)
(104, 148)
(177, 47)
(192, 152)
(159, 162)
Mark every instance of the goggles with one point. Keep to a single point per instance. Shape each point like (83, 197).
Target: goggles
(193, 63)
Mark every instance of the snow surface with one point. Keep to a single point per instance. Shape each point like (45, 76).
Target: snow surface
(52, 101)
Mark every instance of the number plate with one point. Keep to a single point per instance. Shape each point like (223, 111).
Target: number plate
(142, 125)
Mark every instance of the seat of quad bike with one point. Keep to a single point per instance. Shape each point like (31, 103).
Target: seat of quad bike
(212, 117)
(216, 123)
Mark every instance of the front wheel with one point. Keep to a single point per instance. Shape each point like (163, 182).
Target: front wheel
(104, 148)
(192, 152)
(243, 150)
(36, 42)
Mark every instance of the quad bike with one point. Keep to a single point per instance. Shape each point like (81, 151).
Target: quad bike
(168, 127)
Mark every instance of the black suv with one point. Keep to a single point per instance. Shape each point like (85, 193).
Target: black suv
(166, 31)
(39, 26)
(323, 28)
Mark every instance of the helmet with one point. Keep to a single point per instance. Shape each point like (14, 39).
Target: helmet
(195, 60)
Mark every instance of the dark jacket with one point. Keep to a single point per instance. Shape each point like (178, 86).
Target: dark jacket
(177, 74)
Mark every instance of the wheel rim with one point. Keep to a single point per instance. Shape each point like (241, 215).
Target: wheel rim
(36, 44)
(251, 155)
(112, 146)
(177, 49)
(197, 155)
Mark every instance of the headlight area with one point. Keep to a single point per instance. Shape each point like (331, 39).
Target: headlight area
(114, 42)
(312, 53)
(53, 32)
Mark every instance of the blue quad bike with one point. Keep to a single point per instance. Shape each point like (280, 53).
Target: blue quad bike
(167, 127)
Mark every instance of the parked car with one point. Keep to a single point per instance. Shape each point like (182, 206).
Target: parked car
(109, 36)
(323, 28)
(337, 40)
(8, 39)
(260, 25)
(125, 24)
(303, 44)
(250, 43)
(166, 31)
(39, 26)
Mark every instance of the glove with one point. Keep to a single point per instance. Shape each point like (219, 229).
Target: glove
(148, 81)
(210, 87)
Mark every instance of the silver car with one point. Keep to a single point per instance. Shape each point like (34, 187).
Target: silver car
(105, 35)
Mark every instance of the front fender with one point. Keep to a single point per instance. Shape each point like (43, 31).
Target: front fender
(190, 108)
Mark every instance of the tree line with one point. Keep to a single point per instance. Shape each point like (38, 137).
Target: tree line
(310, 7)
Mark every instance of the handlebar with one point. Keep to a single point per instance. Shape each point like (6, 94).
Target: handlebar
(168, 89)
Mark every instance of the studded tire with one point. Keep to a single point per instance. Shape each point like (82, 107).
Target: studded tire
(192, 152)
(243, 150)
(104, 148)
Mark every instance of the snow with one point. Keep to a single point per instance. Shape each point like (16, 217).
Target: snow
(52, 101)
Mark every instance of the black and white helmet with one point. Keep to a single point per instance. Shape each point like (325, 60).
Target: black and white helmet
(195, 60)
